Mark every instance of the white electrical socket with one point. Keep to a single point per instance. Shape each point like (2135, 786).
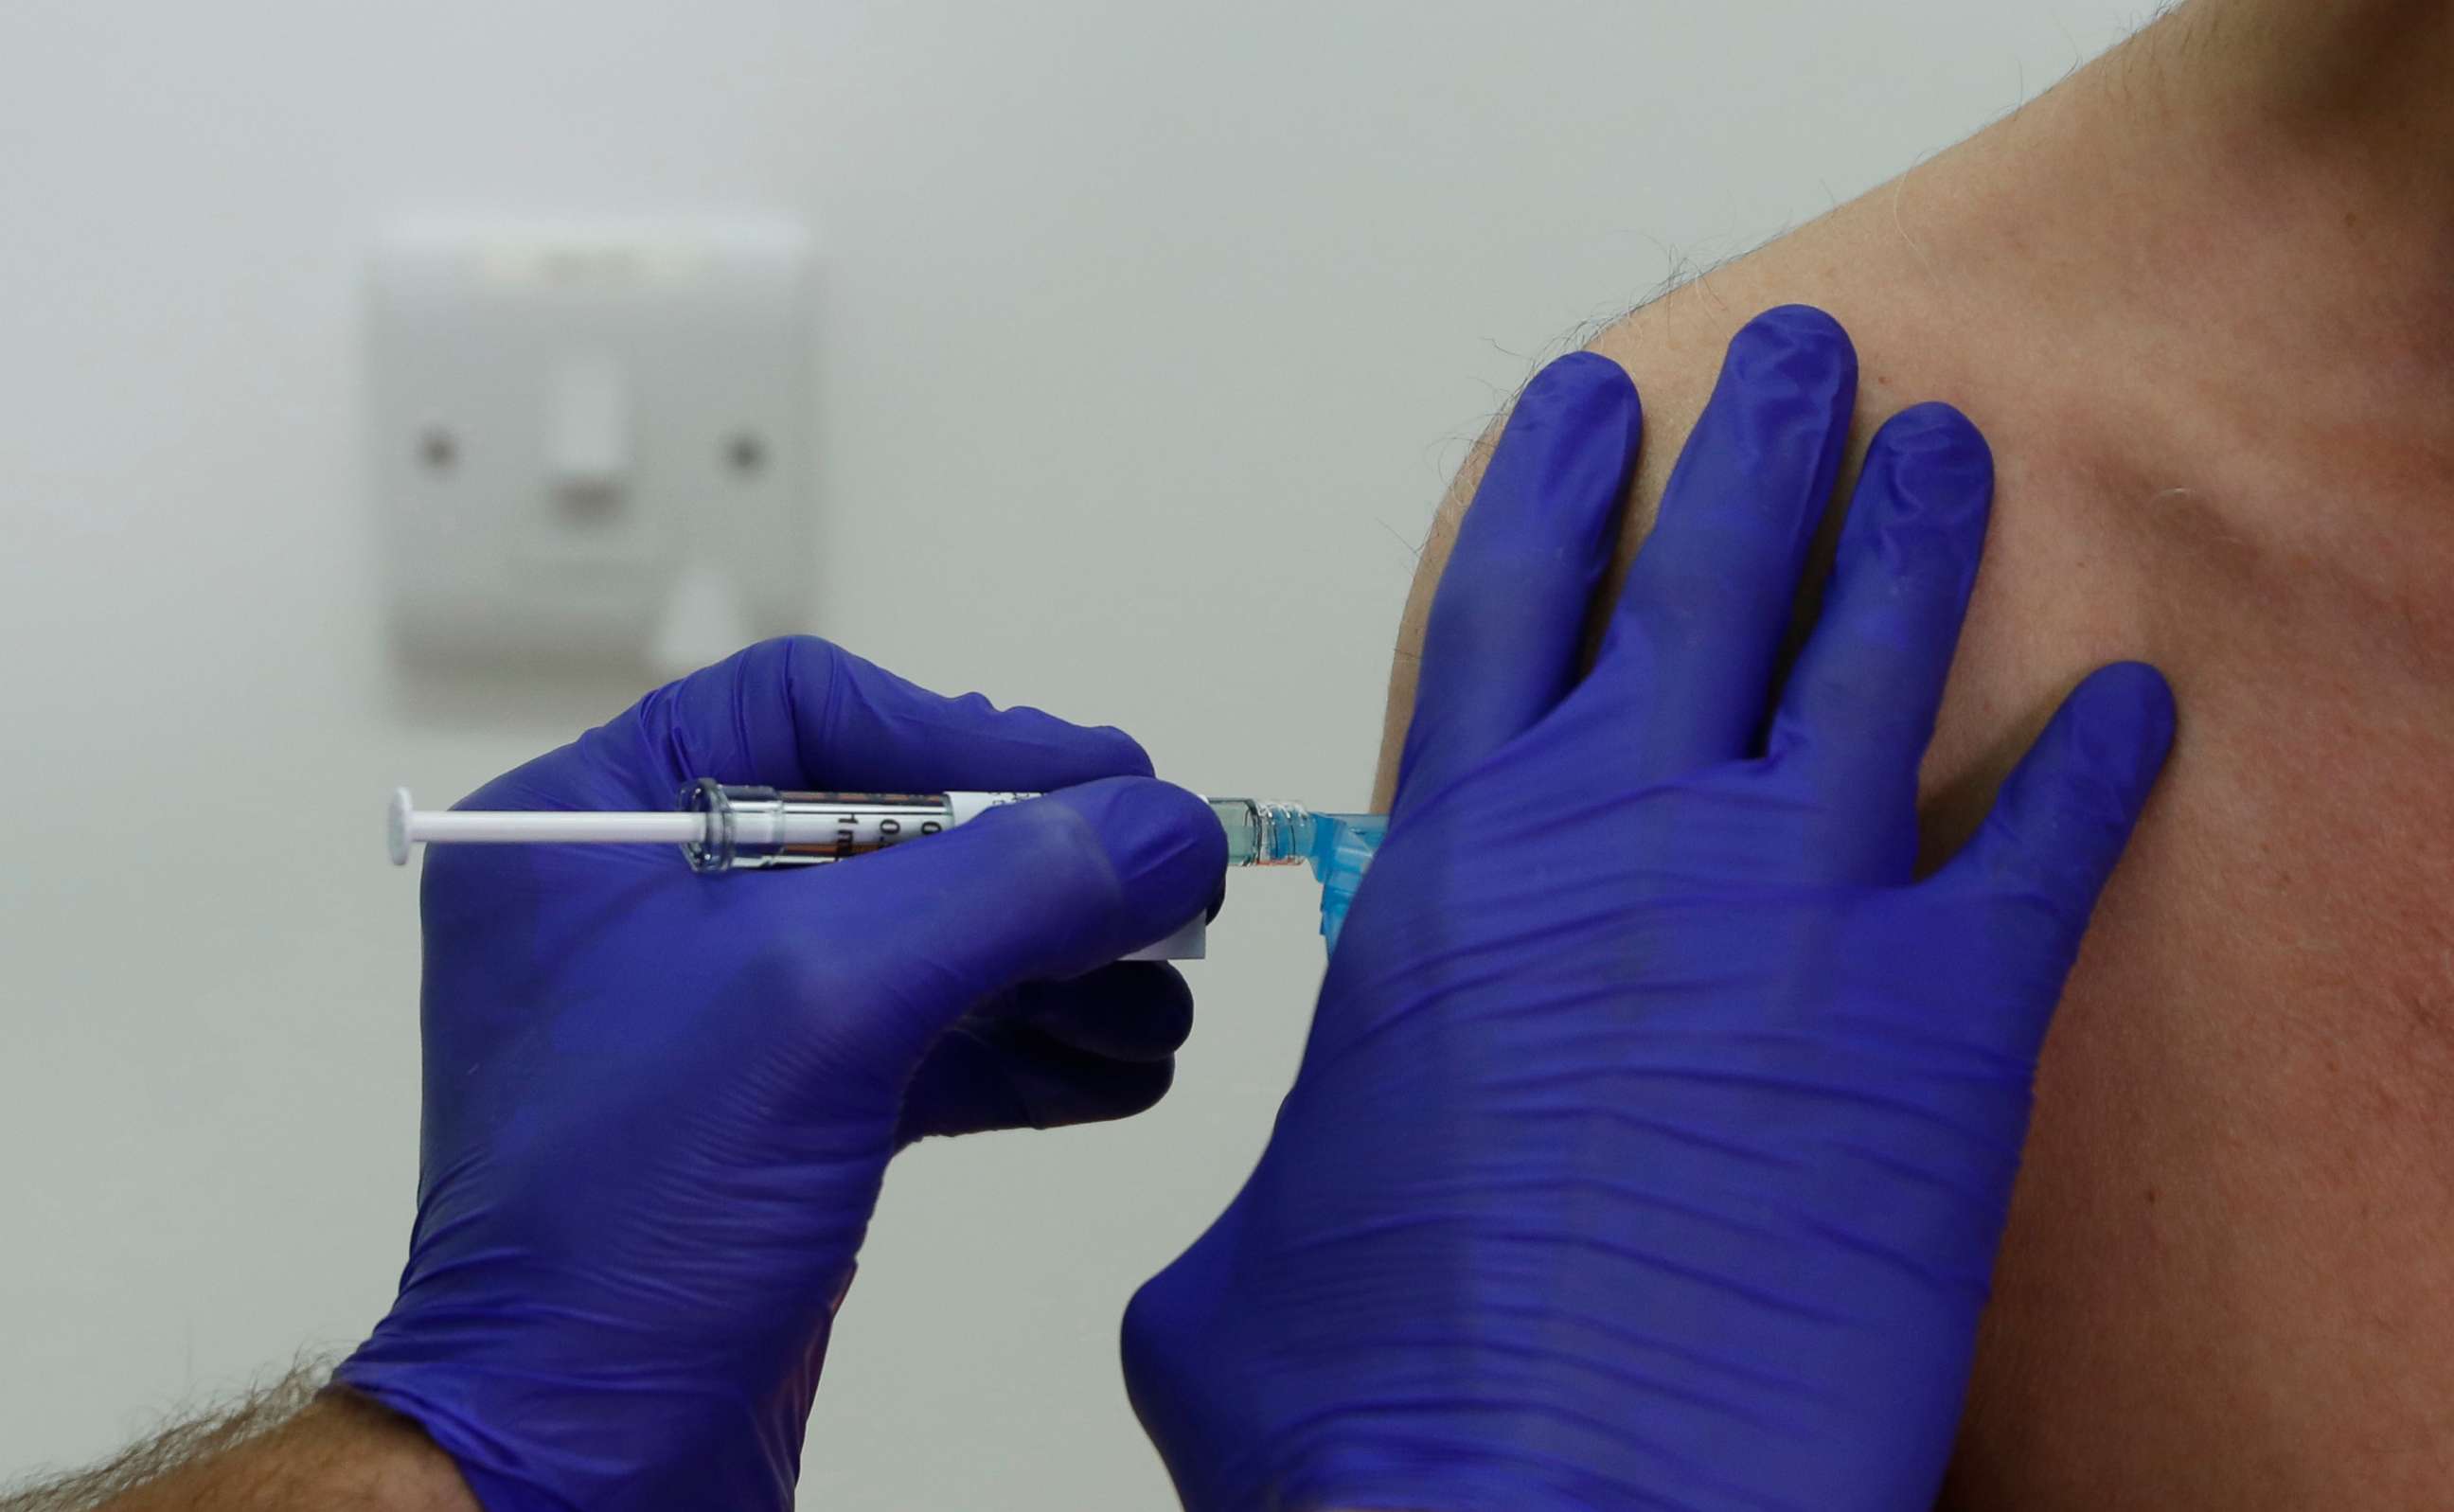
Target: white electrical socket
(590, 439)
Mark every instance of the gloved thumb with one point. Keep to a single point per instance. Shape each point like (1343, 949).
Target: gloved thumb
(1038, 891)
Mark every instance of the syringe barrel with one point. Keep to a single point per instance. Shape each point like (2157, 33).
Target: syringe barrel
(1262, 834)
(756, 828)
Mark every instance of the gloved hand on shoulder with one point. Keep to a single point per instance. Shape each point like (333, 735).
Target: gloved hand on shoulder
(1654, 1136)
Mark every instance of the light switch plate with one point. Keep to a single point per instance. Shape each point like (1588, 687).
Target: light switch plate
(590, 439)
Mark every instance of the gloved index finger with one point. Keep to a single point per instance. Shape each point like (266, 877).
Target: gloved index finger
(804, 712)
(1506, 626)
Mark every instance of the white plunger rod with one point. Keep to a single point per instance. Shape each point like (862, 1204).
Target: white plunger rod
(410, 825)
(567, 829)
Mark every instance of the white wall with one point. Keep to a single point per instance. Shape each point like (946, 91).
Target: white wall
(1150, 332)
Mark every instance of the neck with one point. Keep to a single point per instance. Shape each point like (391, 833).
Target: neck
(2246, 209)
(2238, 142)
(2359, 82)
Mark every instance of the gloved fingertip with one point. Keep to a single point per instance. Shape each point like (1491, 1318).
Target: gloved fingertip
(1126, 755)
(1168, 851)
(2065, 814)
(1053, 751)
(1793, 351)
(1578, 380)
(1922, 502)
(1937, 446)
(1796, 324)
(2125, 718)
(864, 727)
(1135, 1010)
(1566, 449)
(1059, 1098)
(1117, 1090)
(1044, 1082)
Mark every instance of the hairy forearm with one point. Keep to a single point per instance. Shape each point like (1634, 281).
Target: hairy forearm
(290, 1447)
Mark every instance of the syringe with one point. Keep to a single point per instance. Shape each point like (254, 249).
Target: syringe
(722, 827)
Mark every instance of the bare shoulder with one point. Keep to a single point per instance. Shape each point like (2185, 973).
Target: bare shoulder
(2233, 1207)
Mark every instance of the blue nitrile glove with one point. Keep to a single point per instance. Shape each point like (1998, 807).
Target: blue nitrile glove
(1655, 1132)
(658, 1104)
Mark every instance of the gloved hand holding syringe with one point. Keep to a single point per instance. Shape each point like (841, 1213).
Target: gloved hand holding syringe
(723, 827)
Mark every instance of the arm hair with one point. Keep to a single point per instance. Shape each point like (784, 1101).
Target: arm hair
(204, 1434)
(294, 1443)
